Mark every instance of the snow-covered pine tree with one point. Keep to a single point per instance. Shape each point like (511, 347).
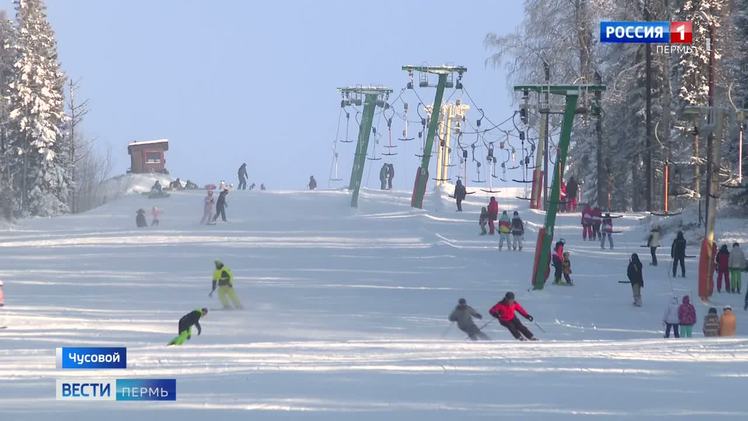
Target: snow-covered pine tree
(37, 115)
(7, 58)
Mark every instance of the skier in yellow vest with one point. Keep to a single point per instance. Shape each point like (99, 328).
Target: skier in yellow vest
(224, 279)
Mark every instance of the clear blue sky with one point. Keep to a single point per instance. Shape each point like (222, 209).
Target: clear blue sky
(234, 81)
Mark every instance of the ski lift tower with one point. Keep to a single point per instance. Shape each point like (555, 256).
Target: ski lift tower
(371, 97)
(446, 77)
(541, 268)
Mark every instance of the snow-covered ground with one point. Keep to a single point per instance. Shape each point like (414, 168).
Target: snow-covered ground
(346, 315)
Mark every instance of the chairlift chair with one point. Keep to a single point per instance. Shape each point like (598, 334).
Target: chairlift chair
(405, 137)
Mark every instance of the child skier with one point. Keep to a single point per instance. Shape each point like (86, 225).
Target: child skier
(185, 325)
(711, 323)
(653, 241)
(670, 318)
(140, 219)
(505, 228)
(722, 262)
(727, 322)
(607, 230)
(686, 317)
(463, 314)
(155, 215)
(483, 220)
(208, 206)
(225, 281)
(518, 231)
(504, 311)
(636, 277)
(567, 268)
(558, 261)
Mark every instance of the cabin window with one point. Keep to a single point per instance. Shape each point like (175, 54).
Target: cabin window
(153, 157)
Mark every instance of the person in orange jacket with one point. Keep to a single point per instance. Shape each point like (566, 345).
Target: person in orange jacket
(727, 323)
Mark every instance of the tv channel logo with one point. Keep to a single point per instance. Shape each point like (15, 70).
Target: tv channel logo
(91, 358)
(658, 32)
(119, 390)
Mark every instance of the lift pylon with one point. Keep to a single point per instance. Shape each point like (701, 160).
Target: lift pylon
(373, 96)
(444, 73)
(541, 268)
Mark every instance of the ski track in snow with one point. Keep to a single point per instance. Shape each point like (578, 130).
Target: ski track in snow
(344, 311)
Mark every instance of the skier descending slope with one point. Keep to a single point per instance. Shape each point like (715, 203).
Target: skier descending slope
(185, 326)
(504, 311)
(463, 314)
(225, 281)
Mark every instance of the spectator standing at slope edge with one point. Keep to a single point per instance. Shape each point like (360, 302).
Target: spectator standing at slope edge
(737, 265)
(653, 241)
(505, 228)
(493, 214)
(572, 188)
(678, 253)
(636, 277)
(242, 174)
(518, 231)
(670, 318)
(711, 323)
(686, 317)
(727, 322)
(722, 261)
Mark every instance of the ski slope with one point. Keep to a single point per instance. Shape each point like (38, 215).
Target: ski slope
(345, 315)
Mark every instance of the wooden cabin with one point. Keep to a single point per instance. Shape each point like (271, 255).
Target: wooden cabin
(148, 156)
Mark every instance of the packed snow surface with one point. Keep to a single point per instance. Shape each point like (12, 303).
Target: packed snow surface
(346, 315)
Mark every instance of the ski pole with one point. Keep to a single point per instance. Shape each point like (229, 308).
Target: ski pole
(485, 324)
(539, 327)
(447, 329)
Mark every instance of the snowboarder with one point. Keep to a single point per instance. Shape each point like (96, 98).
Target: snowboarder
(189, 185)
(185, 326)
(262, 187)
(567, 268)
(459, 194)
(636, 277)
(504, 311)
(711, 323)
(722, 261)
(312, 183)
(483, 221)
(597, 215)
(176, 184)
(678, 253)
(670, 318)
(463, 314)
(737, 265)
(518, 231)
(587, 222)
(242, 174)
(505, 228)
(727, 322)
(208, 206)
(572, 188)
(558, 260)
(493, 214)
(155, 216)
(224, 279)
(653, 241)
(140, 219)
(221, 206)
(686, 317)
(607, 230)
(390, 175)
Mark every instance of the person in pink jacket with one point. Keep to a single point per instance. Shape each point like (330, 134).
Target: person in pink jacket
(686, 317)
(155, 216)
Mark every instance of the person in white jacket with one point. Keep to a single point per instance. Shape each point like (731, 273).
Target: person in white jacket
(653, 241)
(209, 204)
(671, 319)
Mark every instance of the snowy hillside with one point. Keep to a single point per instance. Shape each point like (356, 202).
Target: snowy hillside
(346, 315)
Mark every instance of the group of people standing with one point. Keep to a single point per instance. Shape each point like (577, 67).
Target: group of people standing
(386, 174)
(681, 317)
(596, 225)
(513, 226)
(729, 265)
(210, 203)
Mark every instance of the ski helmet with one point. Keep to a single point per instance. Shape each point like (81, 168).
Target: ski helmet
(219, 264)
(204, 311)
(509, 295)
(462, 301)
(562, 241)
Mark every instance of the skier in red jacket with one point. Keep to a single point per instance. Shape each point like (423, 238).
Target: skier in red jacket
(504, 311)
(493, 214)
